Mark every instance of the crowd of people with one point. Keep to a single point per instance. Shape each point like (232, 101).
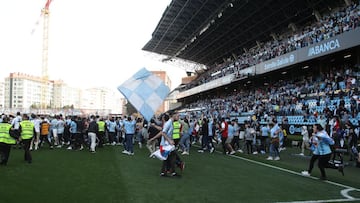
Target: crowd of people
(334, 101)
(79, 133)
(211, 129)
(329, 99)
(339, 21)
(315, 97)
(70, 132)
(216, 123)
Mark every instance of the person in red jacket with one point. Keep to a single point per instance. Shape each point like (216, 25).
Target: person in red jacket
(224, 133)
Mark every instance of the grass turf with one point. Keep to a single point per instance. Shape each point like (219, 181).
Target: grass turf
(61, 175)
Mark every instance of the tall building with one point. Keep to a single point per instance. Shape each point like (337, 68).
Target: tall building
(66, 96)
(2, 95)
(23, 91)
(122, 103)
(100, 101)
(164, 77)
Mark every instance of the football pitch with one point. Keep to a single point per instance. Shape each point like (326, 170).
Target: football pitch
(62, 175)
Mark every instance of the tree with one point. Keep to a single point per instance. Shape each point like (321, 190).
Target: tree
(130, 109)
(68, 106)
(34, 106)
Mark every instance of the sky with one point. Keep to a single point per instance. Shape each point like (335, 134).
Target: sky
(92, 43)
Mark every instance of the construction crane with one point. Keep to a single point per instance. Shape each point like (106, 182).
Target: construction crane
(45, 13)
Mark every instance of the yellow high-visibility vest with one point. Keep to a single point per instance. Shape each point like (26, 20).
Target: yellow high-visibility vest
(176, 131)
(5, 134)
(27, 129)
(101, 125)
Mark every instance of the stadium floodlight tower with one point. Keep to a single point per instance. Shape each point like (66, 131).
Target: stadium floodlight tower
(188, 66)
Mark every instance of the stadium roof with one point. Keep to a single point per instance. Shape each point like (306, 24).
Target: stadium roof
(209, 31)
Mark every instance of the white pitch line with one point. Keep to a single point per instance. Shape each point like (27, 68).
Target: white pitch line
(321, 201)
(293, 172)
(344, 193)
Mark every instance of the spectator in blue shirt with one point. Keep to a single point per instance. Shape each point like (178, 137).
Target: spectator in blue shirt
(275, 141)
(129, 128)
(265, 134)
(324, 151)
(73, 131)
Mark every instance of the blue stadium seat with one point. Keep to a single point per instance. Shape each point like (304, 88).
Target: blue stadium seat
(354, 121)
(342, 85)
(332, 107)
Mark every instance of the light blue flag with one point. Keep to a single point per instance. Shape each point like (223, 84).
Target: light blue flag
(145, 91)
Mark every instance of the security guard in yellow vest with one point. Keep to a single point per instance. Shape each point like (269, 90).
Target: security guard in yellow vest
(101, 135)
(5, 141)
(27, 131)
(176, 131)
(176, 137)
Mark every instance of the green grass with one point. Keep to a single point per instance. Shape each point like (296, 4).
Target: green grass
(60, 175)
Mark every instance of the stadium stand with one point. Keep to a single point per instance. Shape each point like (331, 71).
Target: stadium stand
(300, 68)
(332, 24)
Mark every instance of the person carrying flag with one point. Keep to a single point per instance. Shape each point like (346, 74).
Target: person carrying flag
(166, 135)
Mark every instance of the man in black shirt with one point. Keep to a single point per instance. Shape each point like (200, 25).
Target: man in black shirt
(93, 130)
(152, 131)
